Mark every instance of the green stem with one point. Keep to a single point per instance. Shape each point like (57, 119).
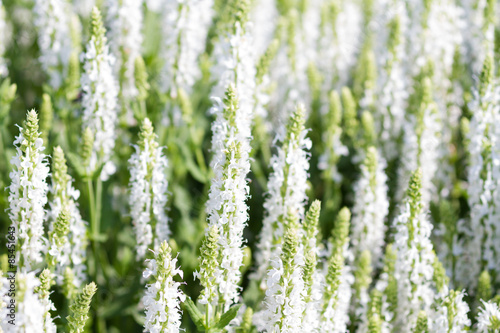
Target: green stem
(98, 206)
(92, 208)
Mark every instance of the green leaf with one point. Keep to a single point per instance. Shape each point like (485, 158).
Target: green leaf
(195, 314)
(227, 317)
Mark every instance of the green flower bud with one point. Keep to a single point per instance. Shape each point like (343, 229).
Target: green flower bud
(391, 291)
(440, 279)
(374, 323)
(422, 323)
(73, 78)
(246, 323)
(97, 30)
(334, 111)
(147, 136)
(363, 272)
(295, 125)
(68, 286)
(59, 169)
(141, 79)
(80, 308)
(186, 106)
(46, 282)
(484, 288)
(58, 236)
(310, 224)
(315, 80)
(340, 232)
(87, 144)
(368, 129)
(208, 263)
(486, 78)
(46, 117)
(30, 130)
(265, 61)
(350, 117)
(332, 280)
(489, 14)
(290, 241)
(414, 194)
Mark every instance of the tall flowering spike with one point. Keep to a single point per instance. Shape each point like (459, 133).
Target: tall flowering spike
(287, 187)
(184, 33)
(337, 290)
(415, 257)
(284, 304)
(334, 148)
(148, 191)
(68, 240)
(481, 249)
(226, 206)
(208, 272)
(124, 18)
(28, 194)
(371, 208)
(30, 310)
(312, 276)
(451, 314)
(79, 309)
(43, 291)
(163, 297)
(52, 19)
(420, 143)
(99, 101)
(488, 319)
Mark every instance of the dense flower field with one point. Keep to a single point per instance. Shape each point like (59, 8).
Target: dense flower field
(250, 166)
